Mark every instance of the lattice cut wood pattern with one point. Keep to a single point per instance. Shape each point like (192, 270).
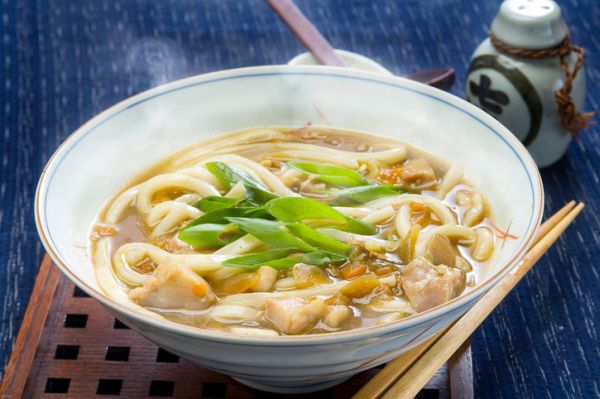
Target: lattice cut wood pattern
(83, 352)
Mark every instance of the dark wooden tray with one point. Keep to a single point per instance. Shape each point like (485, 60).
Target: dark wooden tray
(69, 346)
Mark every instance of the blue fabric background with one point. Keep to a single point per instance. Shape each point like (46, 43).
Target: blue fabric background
(61, 62)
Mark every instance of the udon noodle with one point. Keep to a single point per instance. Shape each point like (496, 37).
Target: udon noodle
(268, 232)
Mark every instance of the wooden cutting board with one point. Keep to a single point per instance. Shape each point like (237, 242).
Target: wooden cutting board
(69, 346)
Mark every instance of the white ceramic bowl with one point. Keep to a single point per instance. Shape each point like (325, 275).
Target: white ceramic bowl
(352, 60)
(102, 155)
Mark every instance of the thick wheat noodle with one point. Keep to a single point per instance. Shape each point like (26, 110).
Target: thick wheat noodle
(394, 305)
(371, 243)
(483, 247)
(223, 273)
(104, 272)
(120, 205)
(187, 172)
(347, 159)
(258, 299)
(379, 216)
(240, 246)
(452, 177)
(190, 198)
(402, 221)
(391, 156)
(238, 191)
(200, 172)
(476, 211)
(454, 232)
(169, 214)
(109, 283)
(221, 143)
(225, 313)
(133, 253)
(315, 156)
(170, 181)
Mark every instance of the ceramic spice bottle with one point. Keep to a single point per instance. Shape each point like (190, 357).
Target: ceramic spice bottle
(529, 76)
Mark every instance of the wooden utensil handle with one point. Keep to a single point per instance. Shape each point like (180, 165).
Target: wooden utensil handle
(310, 37)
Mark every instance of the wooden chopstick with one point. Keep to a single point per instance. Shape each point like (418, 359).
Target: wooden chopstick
(304, 30)
(400, 368)
(553, 221)
(411, 382)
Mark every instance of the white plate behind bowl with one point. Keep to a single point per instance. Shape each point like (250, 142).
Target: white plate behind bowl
(105, 153)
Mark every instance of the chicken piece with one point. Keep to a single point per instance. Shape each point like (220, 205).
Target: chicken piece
(417, 170)
(440, 251)
(294, 315)
(427, 286)
(173, 287)
(416, 173)
(337, 315)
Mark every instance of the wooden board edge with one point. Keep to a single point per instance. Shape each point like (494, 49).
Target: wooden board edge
(24, 349)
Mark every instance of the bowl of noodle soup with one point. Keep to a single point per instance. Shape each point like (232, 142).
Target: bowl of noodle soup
(289, 226)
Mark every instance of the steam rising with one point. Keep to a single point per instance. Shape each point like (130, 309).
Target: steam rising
(152, 62)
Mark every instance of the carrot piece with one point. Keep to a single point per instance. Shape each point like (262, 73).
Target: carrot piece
(353, 270)
(199, 290)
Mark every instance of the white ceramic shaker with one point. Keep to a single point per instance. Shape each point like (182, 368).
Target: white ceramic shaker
(519, 92)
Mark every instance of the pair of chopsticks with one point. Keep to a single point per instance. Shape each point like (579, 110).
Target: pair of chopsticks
(405, 376)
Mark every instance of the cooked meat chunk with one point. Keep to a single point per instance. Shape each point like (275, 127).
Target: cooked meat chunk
(415, 173)
(417, 169)
(337, 315)
(173, 287)
(427, 286)
(440, 251)
(294, 315)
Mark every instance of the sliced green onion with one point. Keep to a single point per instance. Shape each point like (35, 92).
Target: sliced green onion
(317, 258)
(210, 235)
(220, 216)
(317, 239)
(270, 232)
(213, 203)
(364, 194)
(299, 209)
(229, 175)
(357, 227)
(332, 174)
(279, 259)
(258, 259)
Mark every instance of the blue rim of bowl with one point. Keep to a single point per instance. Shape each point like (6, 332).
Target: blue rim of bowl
(284, 70)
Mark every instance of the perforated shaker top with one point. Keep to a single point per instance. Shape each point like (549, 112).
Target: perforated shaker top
(530, 24)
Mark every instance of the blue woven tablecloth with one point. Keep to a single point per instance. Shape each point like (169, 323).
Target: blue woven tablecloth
(61, 62)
